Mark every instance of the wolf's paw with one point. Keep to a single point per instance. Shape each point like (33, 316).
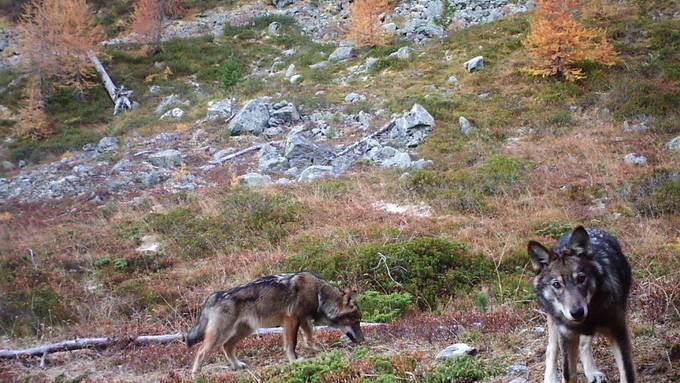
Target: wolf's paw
(597, 377)
(239, 366)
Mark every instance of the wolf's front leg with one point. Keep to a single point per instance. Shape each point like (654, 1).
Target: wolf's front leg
(569, 345)
(623, 353)
(551, 373)
(291, 325)
(593, 374)
(308, 331)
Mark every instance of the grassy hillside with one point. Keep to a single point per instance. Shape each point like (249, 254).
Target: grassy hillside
(547, 155)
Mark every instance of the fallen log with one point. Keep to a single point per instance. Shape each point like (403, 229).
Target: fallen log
(361, 141)
(104, 342)
(242, 152)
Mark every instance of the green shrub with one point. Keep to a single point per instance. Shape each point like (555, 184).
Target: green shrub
(554, 229)
(231, 73)
(460, 370)
(426, 268)
(381, 308)
(656, 195)
(312, 371)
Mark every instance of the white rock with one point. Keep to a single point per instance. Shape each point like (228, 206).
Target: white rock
(452, 80)
(466, 126)
(150, 244)
(315, 172)
(173, 114)
(456, 351)
(343, 53)
(674, 144)
(296, 79)
(403, 53)
(355, 98)
(290, 72)
(474, 64)
(166, 158)
(635, 159)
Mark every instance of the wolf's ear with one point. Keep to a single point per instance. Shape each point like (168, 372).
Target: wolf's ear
(578, 241)
(540, 256)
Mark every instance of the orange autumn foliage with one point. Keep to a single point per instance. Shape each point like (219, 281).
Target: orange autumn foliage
(56, 38)
(148, 17)
(558, 43)
(365, 27)
(33, 123)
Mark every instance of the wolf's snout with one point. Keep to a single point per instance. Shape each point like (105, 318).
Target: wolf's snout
(578, 313)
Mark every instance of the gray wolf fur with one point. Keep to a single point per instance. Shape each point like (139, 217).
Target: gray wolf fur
(292, 301)
(583, 285)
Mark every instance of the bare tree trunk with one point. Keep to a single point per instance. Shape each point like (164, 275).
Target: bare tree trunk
(104, 342)
(121, 97)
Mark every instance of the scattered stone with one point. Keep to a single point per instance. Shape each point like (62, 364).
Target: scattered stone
(6, 165)
(403, 53)
(343, 53)
(296, 79)
(282, 3)
(370, 62)
(255, 180)
(674, 144)
(456, 351)
(290, 72)
(271, 161)
(355, 98)
(635, 159)
(400, 160)
(169, 102)
(167, 158)
(173, 114)
(484, 96)
(301, 152)
(320, 65)
(274, 29)
(474, 64)
(252, 119)
(641, 124)
(155, 90)
(221, 109)
(150, 244)
(466, 126)
(315, 172)
(282, 114)
(452, 80)
(107, 144)
(422, 164)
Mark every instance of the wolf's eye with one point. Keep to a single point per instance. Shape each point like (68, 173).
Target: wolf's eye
(580, 278)
(557, 285)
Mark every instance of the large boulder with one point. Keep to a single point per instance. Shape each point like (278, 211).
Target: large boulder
(252, 119)
(283, 113)
(343, 53)
(302, 153)
(167, 158)
(413, 127)
(221, 109)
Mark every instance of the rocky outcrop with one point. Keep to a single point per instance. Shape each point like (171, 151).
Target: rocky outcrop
(253, 118)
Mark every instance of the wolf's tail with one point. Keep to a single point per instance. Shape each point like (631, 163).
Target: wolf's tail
(197, 333)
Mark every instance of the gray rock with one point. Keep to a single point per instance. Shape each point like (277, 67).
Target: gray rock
(355, 98)
(343, 53)
(452, 80)
(320, 65)
(150, 244)
(390, 28)
(639, 125)
(252, 119)
(221, 109)
(155, 90)
(302, 153)
(413, 127)
(107, 144)
(167, 158)
(315, 172)
(174, 114)
(120, 167)
(289, 52)
(255, 180)
(296, 79)
(403, 53)
(635, 159)
(89, 147)
(422, 164)
(170, 102)
(456, 351)
(484, 96)
(165, 138)
(282, 3)
(466, 126)
(290, 72)
(274, 29)
(674, 144)
(286, 114)
(271, 161)
(6, 165)
(474, 64)
(518, 369)
(150, 179)
(370, 62)
(422, 29)
(400, 160)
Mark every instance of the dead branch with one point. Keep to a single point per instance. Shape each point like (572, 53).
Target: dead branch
(242, 152)
(104, 342)
(363, 140)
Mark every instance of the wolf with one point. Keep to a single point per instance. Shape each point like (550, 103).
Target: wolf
(292, 301)
(583, 285)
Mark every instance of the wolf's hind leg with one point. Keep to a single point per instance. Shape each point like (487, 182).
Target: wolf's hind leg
(593, 374)
(291, 326)
(229, 347)
(206, 347)
(551, 373)
(308, 331)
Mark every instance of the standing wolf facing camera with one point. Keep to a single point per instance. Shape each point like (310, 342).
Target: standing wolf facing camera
(583, 284)
(290, 300)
